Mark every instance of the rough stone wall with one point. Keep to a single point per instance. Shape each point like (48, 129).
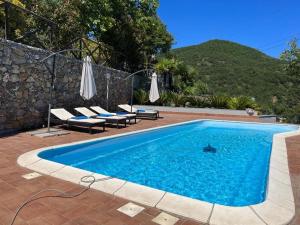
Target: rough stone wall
(25, 85)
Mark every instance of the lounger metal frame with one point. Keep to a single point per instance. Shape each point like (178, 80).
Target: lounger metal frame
(152, 115)
(149, 114)
(79, 124)
(128, 116)
(113, 120)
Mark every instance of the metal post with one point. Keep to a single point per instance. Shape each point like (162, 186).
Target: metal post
(53, 75)
(80, 48)
(53, 72)
(6, 25)
(131, 100)
(107, 94)
(51, 37)
(132, 82)
(107, 75)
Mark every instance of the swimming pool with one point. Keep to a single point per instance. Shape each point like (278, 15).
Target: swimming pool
(214, 161)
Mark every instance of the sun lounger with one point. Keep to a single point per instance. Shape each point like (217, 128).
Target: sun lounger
(112, 119)
(100, 110)
(71, 120)
(141, 113)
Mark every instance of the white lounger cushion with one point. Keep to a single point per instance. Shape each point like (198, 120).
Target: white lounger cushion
(98, 109)
(64, 115)
(85, 111)
(89, 120)
(112, 117)
(127, 108)
(128, 115)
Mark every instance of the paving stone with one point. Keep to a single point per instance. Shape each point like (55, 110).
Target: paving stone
(234, 215)
(165, 219)
(131, 209)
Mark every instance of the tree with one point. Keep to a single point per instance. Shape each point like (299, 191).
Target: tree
(64, 13)
(16, 2)
(16, 20)
(292, 57)
(167, 67)
(131, 27)
(177, 76)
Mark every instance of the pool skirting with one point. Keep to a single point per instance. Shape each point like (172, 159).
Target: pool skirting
(278, 207)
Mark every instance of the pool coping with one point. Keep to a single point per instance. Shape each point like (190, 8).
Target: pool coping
(278, 208)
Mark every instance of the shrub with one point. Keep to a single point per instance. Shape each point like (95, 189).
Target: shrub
(201, 101)
(242, 102)
(292, 115)
(177, 99)
(220, 101)
(168, 98)
(141, 97)
(199, 88)
(164, 98)
(190, 101)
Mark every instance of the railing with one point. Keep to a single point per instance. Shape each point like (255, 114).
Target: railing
(99, 52)
(24, 26)
(18, 30)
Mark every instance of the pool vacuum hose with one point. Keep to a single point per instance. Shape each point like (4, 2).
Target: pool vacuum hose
(90, 180)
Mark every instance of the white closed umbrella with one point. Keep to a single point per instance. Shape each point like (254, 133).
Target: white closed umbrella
(154, 94)
(87, 86)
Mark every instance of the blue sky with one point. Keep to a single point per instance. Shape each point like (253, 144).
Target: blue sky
(266, 25)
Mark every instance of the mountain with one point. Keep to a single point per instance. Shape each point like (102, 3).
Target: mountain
(233, 69)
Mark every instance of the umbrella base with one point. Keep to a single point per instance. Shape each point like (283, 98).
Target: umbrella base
(45, 133)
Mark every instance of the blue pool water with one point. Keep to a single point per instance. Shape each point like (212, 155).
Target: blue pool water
(218, 162)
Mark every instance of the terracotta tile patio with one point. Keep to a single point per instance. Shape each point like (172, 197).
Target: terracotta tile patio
(92, 207)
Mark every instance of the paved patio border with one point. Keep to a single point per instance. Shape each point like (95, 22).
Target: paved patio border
(278, 208)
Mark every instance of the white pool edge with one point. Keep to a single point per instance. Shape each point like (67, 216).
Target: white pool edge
(278, 208)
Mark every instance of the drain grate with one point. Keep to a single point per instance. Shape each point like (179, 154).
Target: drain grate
(131, 209)
(165, 219)
(209, 148)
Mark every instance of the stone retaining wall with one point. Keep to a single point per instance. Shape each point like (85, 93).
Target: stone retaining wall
(25, 85)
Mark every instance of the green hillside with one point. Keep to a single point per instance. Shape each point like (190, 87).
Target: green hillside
(233, 69)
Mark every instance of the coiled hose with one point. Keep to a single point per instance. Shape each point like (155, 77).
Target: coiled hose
(61, 194)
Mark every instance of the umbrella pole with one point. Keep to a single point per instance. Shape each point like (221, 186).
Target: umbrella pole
(107, 75)
(53, 75)
(132, 82)
(107, 94)
(131, 100)
(49, 110)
